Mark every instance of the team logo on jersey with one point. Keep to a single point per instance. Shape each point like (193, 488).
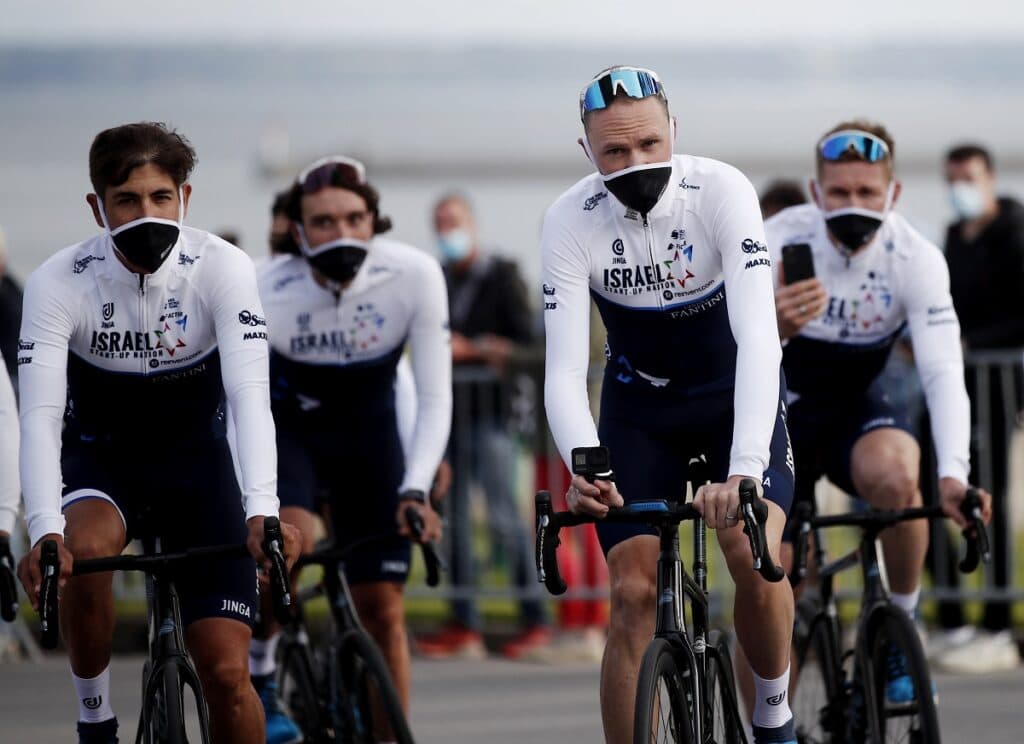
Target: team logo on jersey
(108, 310)
(303, 320)
(366, 323)
(249, 318)
(593, 201)
(84, 261)
(184, 260)
(749, 245)
(168, 339)
(862, 314)
(618, 247)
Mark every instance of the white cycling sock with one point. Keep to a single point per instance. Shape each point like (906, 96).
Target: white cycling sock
(93, 697)
(771, 708)
(262, 655)
(906, 602)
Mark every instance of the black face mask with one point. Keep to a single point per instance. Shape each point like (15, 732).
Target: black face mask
(147, 242)
(640, 187)
(338, 260)
(853, 229)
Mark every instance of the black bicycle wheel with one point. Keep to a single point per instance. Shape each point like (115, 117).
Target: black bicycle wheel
(661, 713)
(723, 717)
(164, 709)
(819, 699)
(368, 697)
(298, 692)
(901, 701)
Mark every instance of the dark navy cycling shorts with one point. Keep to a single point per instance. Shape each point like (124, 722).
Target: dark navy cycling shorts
(651, 438)
(357, 476)
(824, 433)
(185, 494)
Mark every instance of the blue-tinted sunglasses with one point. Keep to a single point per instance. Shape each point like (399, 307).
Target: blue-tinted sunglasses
(634, 82)
(869, 147)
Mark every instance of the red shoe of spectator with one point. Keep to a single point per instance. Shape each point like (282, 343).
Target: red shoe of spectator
(532, 638)
(454, 641)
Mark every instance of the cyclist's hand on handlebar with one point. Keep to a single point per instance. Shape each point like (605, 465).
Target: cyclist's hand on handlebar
(30, 573)
(431, 520)
(289, 533)
(594, 498)
(719, 503)
(951, 495)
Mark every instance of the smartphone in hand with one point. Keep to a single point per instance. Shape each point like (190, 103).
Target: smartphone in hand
(797, 263)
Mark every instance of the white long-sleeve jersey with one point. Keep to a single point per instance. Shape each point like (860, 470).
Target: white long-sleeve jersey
(141, 360)
(899, 278)
(335, 356)
(686, 296)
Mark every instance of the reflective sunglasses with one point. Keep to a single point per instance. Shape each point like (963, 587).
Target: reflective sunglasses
(634, 82)
(868, 146)
(320, 173)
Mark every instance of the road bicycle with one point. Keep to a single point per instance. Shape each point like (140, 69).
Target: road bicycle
(880, 689)
(342, 691)
(685, 691)
(168, 670)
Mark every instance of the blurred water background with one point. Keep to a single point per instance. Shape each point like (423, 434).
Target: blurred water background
(498, 122)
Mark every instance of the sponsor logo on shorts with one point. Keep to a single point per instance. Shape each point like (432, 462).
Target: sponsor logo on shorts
(394, 566)
(235, 607)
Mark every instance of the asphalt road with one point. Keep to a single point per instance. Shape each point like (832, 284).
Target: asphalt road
(482, 702)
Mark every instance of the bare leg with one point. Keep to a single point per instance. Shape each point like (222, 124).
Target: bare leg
(220, 648)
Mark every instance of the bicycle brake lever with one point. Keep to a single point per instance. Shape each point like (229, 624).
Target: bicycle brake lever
(280, 583)
(49, 563)
(755, 514)
(430, 557)
(975, 534)
(546, 546)
(8, 586)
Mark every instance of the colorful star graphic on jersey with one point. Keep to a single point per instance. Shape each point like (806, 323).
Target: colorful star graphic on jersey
(169, 344)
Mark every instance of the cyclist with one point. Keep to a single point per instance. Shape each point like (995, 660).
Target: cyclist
(874, 275)
(671, 248)
(135, 339)
(339, 316)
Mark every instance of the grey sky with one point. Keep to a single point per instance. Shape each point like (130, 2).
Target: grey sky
(443, 21)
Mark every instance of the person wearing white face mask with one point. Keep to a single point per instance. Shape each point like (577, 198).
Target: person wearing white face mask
(670, 247)
(873, 275)
(985, 252)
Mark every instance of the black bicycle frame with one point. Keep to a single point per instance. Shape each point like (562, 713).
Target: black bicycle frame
(167, 648)
(672, 582)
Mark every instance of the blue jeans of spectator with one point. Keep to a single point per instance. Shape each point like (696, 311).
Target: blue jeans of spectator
(483, 451)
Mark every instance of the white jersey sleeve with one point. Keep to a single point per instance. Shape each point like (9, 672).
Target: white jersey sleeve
(241, 330)
(46, 328)
(405, 403)
(10, 489)
(736, 226)
(430, 339)
(565, 269)
(935, 333)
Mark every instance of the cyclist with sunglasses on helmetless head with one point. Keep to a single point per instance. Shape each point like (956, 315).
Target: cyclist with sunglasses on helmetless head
(671, 249)
(339, 316)
(134, 345)
(873, 276)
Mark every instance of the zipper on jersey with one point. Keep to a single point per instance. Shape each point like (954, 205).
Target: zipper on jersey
(143, 362)
(649, 240)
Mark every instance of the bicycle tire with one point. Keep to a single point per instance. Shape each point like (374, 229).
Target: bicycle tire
(915, 720)
(298, 692)
(365, 679)
(662, 684)
(164, 710)
(819, 697)
(723, 722)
